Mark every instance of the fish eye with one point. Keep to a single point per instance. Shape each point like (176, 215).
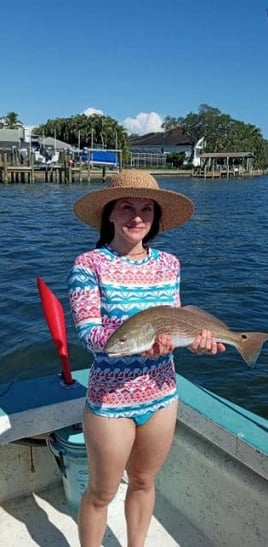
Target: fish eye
(122, 339)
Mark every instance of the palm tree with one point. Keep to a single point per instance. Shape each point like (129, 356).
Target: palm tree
(90, 131)
(11, 121)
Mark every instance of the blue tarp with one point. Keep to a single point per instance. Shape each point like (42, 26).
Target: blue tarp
(102, 157)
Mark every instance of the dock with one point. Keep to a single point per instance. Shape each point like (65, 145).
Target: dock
(64, 172)
(227, 174)
(67, 172)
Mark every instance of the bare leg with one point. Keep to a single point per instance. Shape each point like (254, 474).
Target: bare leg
(150, 449)
(109, 443)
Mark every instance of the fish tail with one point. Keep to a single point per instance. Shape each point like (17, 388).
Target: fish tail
(250, 346)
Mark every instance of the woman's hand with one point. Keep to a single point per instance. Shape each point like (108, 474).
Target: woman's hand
(206, 343)
(203, 343)
(162, 345)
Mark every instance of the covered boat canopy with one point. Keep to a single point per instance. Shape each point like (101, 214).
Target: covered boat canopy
(101, 157)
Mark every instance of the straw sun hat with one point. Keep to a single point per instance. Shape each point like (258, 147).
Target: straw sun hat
(134, 183)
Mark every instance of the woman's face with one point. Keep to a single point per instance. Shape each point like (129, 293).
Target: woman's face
(132, 219)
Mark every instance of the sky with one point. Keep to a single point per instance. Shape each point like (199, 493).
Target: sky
(136, 62)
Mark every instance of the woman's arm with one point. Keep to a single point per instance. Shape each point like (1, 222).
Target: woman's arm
(85, 302)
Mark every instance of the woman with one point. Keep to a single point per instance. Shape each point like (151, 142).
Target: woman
(131, 404)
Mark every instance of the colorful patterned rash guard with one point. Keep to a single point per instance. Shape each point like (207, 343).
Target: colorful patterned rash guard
(105, 289)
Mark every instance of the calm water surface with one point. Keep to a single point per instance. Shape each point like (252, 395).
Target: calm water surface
(224, 259)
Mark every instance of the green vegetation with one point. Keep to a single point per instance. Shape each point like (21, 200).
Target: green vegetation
(177, 159)
(222, 133)
(10, 121)
(90, 131)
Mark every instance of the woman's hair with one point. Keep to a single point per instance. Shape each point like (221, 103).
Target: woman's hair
(107, 227)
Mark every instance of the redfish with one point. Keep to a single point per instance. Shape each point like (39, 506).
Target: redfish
(138, 333)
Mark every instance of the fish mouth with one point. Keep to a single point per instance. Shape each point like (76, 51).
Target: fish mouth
(117, 353)
(122, 353)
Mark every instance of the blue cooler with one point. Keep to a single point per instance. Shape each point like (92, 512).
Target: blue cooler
(68, 447)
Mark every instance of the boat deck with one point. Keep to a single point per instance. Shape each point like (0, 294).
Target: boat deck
(45, 519)
(211, 492)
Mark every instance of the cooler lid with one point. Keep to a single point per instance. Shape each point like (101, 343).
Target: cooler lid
(72, 435)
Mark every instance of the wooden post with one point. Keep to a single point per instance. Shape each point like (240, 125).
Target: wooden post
(31, 164)
(88, 167)
(5, 168)
(103, 173)
(69, 173)
(65, 168)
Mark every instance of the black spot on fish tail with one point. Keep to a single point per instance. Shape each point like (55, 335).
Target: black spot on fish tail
(250, 346)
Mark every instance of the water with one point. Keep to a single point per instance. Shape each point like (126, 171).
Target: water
(224, 259)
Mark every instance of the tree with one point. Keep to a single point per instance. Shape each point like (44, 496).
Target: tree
(87, 131)
(221, 132)
(11, 121)
(225, 134)
(170, 122)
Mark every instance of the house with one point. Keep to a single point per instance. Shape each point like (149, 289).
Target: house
(11, 138)
(153, 148)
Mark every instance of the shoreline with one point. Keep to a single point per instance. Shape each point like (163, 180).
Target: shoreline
(56, 173)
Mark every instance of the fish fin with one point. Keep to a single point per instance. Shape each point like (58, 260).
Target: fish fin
(250, 346)
(206, 314)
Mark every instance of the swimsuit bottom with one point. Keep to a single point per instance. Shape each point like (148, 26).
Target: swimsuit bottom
(139, 419)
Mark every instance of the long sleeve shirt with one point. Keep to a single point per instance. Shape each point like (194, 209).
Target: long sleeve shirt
(105, 289)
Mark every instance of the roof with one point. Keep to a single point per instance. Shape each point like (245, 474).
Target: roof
(51, 141)
(13, 136)
(173, 137)
(227, 155)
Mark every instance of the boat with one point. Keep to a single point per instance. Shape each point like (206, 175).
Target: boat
(211, 492)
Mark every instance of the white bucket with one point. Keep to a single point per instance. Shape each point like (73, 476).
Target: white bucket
(69, 449)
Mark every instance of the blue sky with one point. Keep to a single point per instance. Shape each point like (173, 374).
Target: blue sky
(136, 62)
